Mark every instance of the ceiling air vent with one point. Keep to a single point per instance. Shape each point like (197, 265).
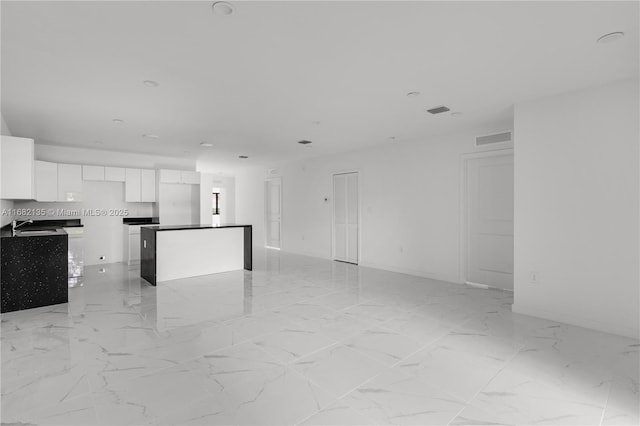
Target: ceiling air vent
(438, 110)
(494, 138)
(304, 142)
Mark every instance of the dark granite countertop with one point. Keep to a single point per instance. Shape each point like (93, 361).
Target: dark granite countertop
(140, 221)
(186, 227)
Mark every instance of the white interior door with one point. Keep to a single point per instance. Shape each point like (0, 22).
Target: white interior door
(489, 203)
(273, 206)
(345, 217)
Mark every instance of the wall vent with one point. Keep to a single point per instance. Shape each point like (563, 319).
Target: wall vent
(494, 138)
(438, 110)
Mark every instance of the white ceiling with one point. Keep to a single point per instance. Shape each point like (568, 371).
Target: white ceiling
(255, 82)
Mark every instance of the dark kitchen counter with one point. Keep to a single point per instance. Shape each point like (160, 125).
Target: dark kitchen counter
(37, 225)
(201, 226)
(140, 221)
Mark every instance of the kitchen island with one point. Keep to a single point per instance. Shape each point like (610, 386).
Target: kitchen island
(34, 267)
(182, 251)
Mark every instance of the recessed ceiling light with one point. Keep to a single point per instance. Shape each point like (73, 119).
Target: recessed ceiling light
(610, 38)
(222, 8)
(316, 123)
(98, 142)
(243, 156)
(413, 94)
(146, 135)
(151, 83)
(304, 142)
(207, 144)
(392, 138)
(118, 120)
(456, 114)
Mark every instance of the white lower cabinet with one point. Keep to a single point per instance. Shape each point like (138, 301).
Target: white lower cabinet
(131, 244)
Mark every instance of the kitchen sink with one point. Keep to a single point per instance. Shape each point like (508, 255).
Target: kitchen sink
(34, 232)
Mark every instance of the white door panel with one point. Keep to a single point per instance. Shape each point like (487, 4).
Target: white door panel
(489, 210)
(345, 217)
(273, 206)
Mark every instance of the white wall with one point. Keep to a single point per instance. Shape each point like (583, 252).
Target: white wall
(5, 205)
(576, 208)
(410, 203)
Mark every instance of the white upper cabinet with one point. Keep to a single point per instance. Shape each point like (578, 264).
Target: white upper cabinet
(179, 176)
(69, 182)
(140, 186)
(46, 181)
(132, 185)
(17, 160)
(114, 174)
(192, 178)
(170, 176)
(93, 172)
(148, 186)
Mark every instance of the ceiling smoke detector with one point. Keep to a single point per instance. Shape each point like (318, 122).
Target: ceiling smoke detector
(207, 144)
(610, 38)
(438, 110)
(413, 94)
(222, 8)
(118, 120)
(151, 83)
(149, 136)
(304, 142)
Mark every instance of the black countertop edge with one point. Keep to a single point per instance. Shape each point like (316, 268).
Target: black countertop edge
(140, 221)
(187, 227)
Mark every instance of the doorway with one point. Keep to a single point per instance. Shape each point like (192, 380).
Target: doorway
(273, 212)
(489, 219)
(346, 217)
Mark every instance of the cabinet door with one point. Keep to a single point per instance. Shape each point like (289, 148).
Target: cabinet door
(148, 186)
(69, 182)
(170, 176)
(46, 181)
(16, 156)
(93, 172)
(192, 178)
(134, 248)
(114, 174)
(132, 185)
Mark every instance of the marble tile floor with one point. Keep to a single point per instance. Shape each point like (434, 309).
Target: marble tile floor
(305, 341)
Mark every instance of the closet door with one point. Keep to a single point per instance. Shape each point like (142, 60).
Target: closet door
(345, 217)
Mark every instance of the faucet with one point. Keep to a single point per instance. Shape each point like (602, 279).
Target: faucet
(14, 226)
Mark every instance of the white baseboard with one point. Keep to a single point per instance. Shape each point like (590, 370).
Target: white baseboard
(622, 330)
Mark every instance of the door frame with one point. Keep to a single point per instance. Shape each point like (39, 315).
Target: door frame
(333, 218)
(266, 212)
(464, 211)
